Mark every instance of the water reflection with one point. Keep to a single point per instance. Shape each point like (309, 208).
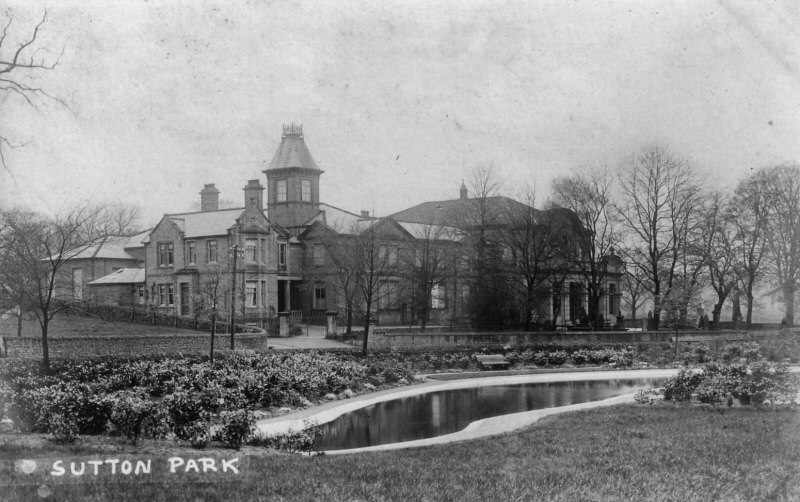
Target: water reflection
(444, 412)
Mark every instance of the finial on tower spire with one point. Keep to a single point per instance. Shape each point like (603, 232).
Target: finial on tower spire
(292, 130)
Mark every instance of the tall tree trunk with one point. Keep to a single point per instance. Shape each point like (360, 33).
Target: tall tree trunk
(654, 322)
(19, 323)
(366, 331)
(737, 308)
(749, 315)
(788, 300)
(45, 346)
(213, 332)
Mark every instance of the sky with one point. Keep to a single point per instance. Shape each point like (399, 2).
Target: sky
(399, 100)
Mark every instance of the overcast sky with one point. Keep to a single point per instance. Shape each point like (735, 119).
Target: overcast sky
(399, 100)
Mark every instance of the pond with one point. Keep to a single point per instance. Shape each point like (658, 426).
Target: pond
(443, 412)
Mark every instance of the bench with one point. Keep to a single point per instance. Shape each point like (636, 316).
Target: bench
(491, 362)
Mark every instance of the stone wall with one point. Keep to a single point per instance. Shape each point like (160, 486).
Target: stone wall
(395, 339)
(383, 339)
(81, 347)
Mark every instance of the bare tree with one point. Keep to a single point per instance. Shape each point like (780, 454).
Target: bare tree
(588, 196)
(339, 250)
(536, 248)
(22, 59)
(366, 269)
(211, 300)
(490, 291)
(634, 288)
(376, 274)
(716, 239)
(781, 187)
(428, 264)
(660, 197)
(116, 218)
(748, 212)
(41, 247)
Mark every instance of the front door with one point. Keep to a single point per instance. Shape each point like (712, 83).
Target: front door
(184, 298)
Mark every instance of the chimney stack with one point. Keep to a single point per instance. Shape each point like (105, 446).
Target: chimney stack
(364, 214)
(209, 198)
(254, 194)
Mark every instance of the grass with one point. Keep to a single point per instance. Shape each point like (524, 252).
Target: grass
(660, 453)
(73, 325)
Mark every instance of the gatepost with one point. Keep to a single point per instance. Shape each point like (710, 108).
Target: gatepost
(330, 330)
(283, 317)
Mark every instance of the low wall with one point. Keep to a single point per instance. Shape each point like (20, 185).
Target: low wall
(388, 339)
(395, 339)
(80, 347)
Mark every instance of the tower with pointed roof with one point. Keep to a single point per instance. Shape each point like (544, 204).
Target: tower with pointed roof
(292, 181)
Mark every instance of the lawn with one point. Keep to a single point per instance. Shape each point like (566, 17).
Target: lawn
(662, 452)
(66, 325)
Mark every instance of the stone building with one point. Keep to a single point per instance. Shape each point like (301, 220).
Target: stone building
(106, 257)
(283, 251)
(193, 260)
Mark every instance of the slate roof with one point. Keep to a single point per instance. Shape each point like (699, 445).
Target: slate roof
(433, 232)
(292, 152)
(111, 247)
(137, 240)
(205, 224)
(456, 212)
(121, 276)
(338, 219)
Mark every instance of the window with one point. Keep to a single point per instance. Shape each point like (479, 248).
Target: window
(387, 255)
(280, 191)
(282, 255)
(438, 296)
(319, 297)
(211, 251)
(191, 253)
(319, 254)
(162, 295)
(250, 291)
(263, 293)
(166, 252)
(305, 190)
(250, 249)
(140, 293)
(170, 295)
(263, 250)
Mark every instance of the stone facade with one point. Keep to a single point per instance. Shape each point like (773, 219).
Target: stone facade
(281, 255)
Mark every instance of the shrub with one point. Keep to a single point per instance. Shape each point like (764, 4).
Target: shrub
(187, 417)
(646, 396)
(580, 356)
(31, 409)
(237, 427)
(766, 383)
(557, 358)
(540, 358)
(682, 386)
(621, 358)
(63, 428)
(756, 384)
(293, 441)
(134, 416)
